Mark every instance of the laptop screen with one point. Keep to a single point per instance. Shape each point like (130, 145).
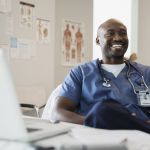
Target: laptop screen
(11, 125)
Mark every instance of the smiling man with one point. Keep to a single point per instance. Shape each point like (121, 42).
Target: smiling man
(112, 37)
(110, 93)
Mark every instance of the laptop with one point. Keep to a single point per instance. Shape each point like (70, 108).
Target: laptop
(12, 125)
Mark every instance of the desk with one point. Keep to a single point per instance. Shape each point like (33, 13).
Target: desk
(82, 137)
(85, 138)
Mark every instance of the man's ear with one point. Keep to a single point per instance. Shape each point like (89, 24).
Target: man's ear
(97, 40)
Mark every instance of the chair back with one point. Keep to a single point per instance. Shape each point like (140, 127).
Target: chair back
(47, 112)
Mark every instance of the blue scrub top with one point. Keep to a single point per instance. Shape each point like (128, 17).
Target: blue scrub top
(83, 85)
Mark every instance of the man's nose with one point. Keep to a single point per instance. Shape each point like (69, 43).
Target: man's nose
(117, 37)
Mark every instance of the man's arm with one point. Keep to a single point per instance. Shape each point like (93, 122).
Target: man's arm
(63, 110)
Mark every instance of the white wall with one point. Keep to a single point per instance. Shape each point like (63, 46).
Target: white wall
(118, 9)
(75, 10)
(144, 32)
(39, 70)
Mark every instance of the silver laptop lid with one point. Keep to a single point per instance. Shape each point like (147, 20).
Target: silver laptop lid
(11, 124)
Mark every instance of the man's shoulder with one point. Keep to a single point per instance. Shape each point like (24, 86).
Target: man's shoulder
(85, 67)
(88, 64)
(140, 66)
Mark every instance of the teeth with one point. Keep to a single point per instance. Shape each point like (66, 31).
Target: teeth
(116, 46)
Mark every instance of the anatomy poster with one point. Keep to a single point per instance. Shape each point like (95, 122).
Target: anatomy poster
(43, 30)
(26, 15)
(72, 51)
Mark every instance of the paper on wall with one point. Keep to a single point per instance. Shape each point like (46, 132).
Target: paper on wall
(43, 30)
(26, 13)
(22, 48)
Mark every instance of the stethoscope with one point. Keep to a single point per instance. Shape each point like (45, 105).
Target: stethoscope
(143, 83)
(106, 81)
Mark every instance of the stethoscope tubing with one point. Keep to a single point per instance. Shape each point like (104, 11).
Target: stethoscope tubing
(139, 73)
(106, 80)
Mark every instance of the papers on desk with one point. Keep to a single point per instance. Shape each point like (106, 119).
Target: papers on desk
(132, 139)
(12, 145)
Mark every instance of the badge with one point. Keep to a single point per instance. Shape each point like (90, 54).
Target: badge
(144, 98)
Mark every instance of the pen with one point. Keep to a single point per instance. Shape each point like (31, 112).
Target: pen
(51, 136)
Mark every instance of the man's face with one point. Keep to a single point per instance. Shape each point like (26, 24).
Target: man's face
(113, 40)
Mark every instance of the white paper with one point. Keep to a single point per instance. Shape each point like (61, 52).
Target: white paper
(133, 139)
(22, 48)
(14, 145)
(95, 136)
(14, 53)
(43, 30)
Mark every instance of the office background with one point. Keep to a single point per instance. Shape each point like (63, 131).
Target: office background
(44, 71)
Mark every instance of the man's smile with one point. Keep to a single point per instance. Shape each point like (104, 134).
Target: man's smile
(118, 46)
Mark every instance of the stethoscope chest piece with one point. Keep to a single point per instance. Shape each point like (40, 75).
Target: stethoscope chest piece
(106, 83)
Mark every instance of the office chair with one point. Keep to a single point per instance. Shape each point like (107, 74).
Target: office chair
(33, 107)
(32, 99)
(47, 112)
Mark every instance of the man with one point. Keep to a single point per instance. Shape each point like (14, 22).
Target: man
(108, 93)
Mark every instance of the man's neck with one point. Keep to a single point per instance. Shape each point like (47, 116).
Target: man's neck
(112, 61)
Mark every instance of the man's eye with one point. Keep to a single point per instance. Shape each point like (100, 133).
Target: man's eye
(123, 33)
(109, 34)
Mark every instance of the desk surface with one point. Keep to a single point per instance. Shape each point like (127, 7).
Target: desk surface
(81, 137)
(56, 141)
(85, 138)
